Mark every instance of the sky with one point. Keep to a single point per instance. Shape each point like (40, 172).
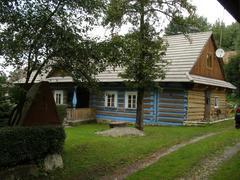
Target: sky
(211, 9)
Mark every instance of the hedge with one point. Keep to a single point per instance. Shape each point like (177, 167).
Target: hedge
(20, 145)
(62, 112)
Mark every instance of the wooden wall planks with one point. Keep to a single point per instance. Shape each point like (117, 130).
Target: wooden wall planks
(200, 68)
(196, 105)
(222, 104)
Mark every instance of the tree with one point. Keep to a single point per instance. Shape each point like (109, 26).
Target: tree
(188, 24)
(142, 48)
(232, 71)
(33, 33)
(16, 75)
(230, 35)
(5, 106)
(36, 34)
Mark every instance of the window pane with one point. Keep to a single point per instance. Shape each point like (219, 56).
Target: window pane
(216, 101)
(129, 101)
(112, 100)
(209, 60)
(57, 98)
(108, 100)
(134, 105)
(134, 97)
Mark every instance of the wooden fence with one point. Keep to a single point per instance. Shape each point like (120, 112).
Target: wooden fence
(81, 114)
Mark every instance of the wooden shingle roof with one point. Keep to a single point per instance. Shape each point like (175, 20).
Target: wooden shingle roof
(182, 53)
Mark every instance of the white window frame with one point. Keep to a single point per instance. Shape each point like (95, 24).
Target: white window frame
(61, 96)
(216, 102)
(115, 98)
(131, 93)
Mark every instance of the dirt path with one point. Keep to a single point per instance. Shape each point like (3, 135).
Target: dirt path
(209, 166)
(141, 164)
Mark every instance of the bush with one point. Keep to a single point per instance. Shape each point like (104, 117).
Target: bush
(24, 144)
(5, 105)
(62, 112)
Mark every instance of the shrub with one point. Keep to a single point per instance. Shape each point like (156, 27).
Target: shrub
(62, 112)
(24, 144)
(5, 106)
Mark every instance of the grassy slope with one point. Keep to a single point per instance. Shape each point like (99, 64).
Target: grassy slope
(88, 156)
(179, 163)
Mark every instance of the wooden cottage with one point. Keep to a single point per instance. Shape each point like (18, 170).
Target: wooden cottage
(194, 89)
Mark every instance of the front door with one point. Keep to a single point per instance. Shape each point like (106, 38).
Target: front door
(207, 105)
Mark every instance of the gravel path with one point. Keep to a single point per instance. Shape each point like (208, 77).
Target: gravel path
(209, 166)
(121, 131)
(141, 164)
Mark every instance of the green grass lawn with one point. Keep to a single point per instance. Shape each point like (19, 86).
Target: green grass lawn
(179, 163)
(89, 156)
(228, 169)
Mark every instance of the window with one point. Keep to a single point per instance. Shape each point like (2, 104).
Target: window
(209, 60)
(111, 99)
(58, 96)
(216, 102)
(131, 100)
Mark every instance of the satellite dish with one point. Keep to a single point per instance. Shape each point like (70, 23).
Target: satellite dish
(220, 53)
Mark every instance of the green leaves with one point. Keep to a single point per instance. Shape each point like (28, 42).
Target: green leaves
(115, 12)
(37, 32)
(189, 24)
(230, 35)
(232, 71)
(141, 50)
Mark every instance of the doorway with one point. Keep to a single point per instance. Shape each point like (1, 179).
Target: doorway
(207, 105)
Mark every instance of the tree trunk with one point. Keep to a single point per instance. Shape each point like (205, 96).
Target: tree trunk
(140, 95)
(139, 117)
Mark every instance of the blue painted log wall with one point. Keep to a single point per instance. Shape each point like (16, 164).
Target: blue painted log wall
(166, 107)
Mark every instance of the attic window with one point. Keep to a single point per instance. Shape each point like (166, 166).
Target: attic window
(209, 61)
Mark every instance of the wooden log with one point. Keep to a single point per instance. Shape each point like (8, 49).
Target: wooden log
(117, 114)
(171, 106)
(171, 115)
(170, 120)
(173, 96)
(172, 101)
(171, 110)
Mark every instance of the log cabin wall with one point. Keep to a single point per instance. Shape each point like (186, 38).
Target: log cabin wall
(120, 113)
(196, 105)
(167, 107)
(220, 111)
(172, 105)
(201, 66)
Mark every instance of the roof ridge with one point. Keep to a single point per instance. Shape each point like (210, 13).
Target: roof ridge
(194, 33)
